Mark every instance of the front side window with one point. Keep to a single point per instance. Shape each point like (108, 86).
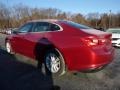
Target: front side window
(41, 26)
(25, 28)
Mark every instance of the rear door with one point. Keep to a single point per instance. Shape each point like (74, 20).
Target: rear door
(34, 39)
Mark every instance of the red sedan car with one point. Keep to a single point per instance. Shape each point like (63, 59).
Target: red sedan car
(62, 45)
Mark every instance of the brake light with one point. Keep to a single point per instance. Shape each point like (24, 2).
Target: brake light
(93, 41)
(90, 41)
(102, 41)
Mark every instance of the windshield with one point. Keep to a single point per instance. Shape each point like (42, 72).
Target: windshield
(114, 31)
(76, 25)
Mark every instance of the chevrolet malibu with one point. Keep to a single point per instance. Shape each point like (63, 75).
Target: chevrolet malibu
(62, 45)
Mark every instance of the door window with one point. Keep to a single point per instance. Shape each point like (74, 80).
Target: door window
(25, 28)
(41, 26)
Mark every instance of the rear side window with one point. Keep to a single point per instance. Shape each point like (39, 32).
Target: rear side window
(41, 26)
(76, 25)
(54, 27)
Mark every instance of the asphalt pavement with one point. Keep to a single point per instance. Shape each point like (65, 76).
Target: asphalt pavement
(15, 74)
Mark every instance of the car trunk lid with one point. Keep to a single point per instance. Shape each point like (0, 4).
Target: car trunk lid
(96, 37)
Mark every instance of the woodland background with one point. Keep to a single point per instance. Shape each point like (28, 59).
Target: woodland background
(14, 16)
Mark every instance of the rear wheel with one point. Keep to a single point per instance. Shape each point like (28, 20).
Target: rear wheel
(54, 63)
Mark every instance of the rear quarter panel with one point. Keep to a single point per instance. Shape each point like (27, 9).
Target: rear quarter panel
(70, 45)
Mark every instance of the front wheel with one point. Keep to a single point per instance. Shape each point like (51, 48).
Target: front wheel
(8, 47)
(54, 63)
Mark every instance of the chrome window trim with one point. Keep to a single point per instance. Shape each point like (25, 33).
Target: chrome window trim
(61, 29)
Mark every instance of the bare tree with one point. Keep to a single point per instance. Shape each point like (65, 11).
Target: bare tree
(19, 14)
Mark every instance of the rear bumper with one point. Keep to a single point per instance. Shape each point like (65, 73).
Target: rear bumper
(89, 60)
(93, 67)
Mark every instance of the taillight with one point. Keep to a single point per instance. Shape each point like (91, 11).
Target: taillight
(102, 41)
(90, 41)
(93, 41)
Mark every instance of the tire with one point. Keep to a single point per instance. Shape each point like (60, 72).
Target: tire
(8, 47)
(54, 63)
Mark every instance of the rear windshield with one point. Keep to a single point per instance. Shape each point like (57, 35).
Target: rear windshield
(76, 25)
(114, 31)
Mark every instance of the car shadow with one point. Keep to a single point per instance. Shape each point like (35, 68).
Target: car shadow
(15, 75)
(41, 47)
